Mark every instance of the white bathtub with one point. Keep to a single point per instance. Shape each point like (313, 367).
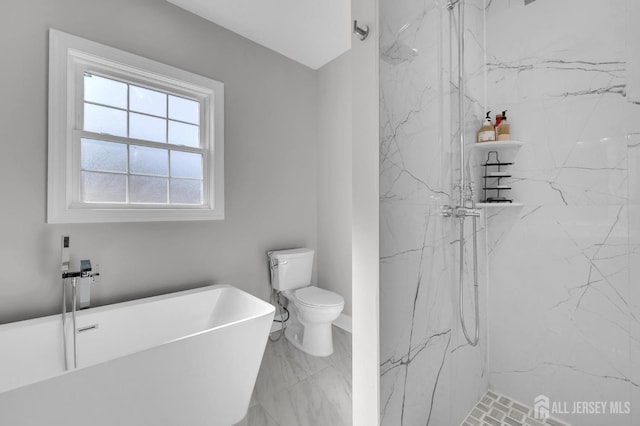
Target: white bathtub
(182, 359)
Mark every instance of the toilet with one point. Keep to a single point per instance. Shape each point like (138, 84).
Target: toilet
(311, 309)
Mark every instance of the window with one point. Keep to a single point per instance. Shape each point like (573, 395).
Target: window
(131, 139)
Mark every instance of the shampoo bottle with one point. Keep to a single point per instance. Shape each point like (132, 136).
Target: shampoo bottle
(486, 132)
(503, 131)
(496, 124)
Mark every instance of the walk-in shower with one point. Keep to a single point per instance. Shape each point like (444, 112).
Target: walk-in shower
(557, 305)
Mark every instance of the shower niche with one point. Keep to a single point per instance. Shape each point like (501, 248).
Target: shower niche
(491, 165)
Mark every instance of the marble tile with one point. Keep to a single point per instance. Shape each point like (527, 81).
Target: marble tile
(323, 399)
(341, 344)
(422, 351)
(258, 416)
(291, 384)
(562, 271)
(344, 366)
(342, 359)
(283, 366)
(560, 301)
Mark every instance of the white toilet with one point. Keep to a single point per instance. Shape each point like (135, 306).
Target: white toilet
(311, 309)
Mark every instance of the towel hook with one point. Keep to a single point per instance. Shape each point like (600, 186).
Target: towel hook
(362, 32)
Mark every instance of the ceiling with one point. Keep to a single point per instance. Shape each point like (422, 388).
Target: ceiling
(311, 32)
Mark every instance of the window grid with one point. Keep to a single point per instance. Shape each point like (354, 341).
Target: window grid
(128, 141)
(128, 173)
(128, 109)
(193, 98)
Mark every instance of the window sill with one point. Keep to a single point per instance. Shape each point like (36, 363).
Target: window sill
(134, 215)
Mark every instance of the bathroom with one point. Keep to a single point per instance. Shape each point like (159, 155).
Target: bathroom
(356, 159)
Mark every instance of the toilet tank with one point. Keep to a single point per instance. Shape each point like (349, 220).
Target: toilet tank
(291, 269)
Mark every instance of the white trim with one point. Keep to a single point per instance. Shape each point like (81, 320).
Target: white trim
(343, 322)
(365, 132)
(69, 55)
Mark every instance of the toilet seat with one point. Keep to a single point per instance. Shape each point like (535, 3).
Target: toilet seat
(313, 296)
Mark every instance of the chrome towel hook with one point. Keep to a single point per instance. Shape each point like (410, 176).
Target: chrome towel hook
(362, 32)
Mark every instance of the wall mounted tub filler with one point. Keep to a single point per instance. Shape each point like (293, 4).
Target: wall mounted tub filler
(86, 277)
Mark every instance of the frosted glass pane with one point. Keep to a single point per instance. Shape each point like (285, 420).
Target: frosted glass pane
(145, 189)
(105, 91)
(185, 191)
(102, 187)
(186, 165)
(184, 109)
(147, 128)
(153, 161)
(105, 120)
(104, 156)
(148, 101)
(183, 134)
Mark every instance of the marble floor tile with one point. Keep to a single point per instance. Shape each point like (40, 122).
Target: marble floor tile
(343, 365)
(296, 389)
(323, 399)
(341, 344)
(283, 366)
(258, 416)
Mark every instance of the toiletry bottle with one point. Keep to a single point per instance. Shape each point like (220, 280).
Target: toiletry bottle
(503, 131)
(486, 132)
(496, 124)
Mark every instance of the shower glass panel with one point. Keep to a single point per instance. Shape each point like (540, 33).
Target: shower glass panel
(429, 373)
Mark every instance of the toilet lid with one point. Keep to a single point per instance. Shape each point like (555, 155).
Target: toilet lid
(314, 296)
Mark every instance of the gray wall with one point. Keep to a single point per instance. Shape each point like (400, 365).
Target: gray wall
(334, 178)
(270, 152)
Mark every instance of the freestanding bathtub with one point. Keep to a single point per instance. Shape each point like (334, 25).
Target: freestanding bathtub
(183, 359)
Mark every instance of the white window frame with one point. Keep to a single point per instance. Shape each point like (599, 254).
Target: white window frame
(69, 58)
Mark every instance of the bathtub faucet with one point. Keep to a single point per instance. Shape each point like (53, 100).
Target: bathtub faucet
(84, 272)
(81, 282)
(80, 299)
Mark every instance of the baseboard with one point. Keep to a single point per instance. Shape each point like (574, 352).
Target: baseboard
(343, 322)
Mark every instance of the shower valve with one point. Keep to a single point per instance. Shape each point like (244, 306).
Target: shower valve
(466, 211)
(448, 211)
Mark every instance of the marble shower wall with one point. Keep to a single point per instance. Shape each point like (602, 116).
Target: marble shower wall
(564, 297)
(429, 375)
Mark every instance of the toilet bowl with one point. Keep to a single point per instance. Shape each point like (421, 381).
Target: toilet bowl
(314, 311)
(311, 309)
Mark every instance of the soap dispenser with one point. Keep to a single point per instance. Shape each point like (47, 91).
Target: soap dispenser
(503, 131)
(486, 132)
